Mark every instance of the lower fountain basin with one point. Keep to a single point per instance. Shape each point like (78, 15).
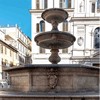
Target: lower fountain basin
(52, 82)
(54, 39)
(65, 78)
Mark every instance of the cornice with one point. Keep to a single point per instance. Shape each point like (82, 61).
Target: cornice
(85, 18)
(8, 45)
(23, 43)
(36, 10)
(41, 10)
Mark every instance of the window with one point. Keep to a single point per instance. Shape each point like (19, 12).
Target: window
(21, 59)
(10, 53)
(61, 4)
(93, 7)
(4, 75)
(42, 50)
(98, 6)
(20, 36)
(1, 48)
(2, 62)
(65, 26)
(6, 62)
(45, 4)
(16, 55)
(5, 50)
(11, 64)
(97, 38)
(37, 27)
(42, 26)
(37, 4)
(65, 50)
(67, 3)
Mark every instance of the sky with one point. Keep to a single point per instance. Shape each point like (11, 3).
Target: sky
(14, 12)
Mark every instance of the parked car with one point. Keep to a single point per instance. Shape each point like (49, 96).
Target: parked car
(4, 85)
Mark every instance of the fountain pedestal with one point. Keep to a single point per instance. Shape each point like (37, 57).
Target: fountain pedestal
(53, 82)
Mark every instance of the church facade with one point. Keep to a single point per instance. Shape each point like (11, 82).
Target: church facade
(83, 22)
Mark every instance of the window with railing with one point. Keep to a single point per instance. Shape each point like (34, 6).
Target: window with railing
(6, 63)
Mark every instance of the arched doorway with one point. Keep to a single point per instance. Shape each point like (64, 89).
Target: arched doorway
(97, 38)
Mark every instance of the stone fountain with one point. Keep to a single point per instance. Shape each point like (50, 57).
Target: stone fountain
(54, 39)
(53, 81)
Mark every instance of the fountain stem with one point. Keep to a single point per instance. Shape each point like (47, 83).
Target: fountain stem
(54, 25)
(54, 58)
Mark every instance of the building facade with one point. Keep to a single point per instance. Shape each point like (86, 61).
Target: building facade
(83, 22)
(14, 48)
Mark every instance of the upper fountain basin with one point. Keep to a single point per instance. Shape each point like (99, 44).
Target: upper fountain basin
(54, 14)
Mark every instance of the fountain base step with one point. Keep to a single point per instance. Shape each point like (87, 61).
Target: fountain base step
(4, 95)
